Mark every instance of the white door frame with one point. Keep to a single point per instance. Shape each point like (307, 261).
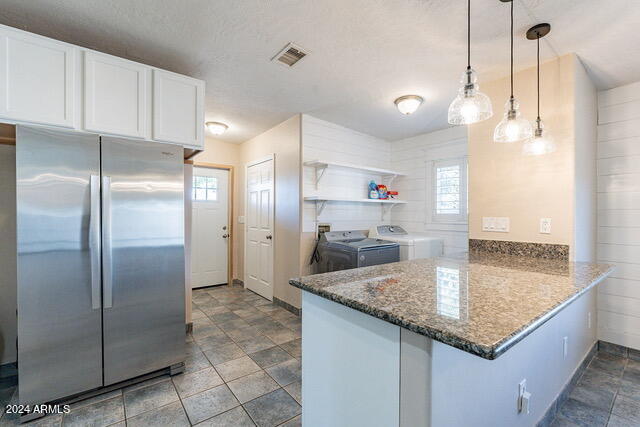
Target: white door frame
(231, 230)
(266, 158)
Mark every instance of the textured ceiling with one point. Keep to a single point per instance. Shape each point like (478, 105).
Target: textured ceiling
(363, 53)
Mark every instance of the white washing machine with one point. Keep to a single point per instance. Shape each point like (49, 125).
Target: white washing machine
(412, 245)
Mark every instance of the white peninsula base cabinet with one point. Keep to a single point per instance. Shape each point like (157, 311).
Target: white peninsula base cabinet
(361, 371)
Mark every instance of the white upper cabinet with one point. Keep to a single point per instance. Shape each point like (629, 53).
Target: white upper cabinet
(37, 78)
(48, 82)
(178, 109)
(115, 95)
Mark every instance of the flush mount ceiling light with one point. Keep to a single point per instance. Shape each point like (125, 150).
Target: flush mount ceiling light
(512, 127)
(408, 104)
(471, 105)
(216, 128)
(541, 142)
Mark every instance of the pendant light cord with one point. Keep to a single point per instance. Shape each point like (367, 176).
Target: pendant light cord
(512, 1)
(538, 69)
(468, 34)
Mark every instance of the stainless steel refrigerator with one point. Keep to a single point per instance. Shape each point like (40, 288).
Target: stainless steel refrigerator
(100, 243)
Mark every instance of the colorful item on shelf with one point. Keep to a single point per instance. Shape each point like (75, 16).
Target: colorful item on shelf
(373, 190)
(382, 192)
(392, 194)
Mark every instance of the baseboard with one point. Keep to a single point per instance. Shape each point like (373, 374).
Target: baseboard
(237, 282)
(618, 350)
(603, 346)
(551, 412)
(189, 327)
(287, 306)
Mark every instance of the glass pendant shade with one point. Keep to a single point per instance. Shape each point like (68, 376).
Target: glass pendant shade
(512, 127)
(540, 143)
(471, 105)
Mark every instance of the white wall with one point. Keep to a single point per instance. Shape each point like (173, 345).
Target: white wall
(282, 140)
(415, 157)
(619, 214)
(585, 181)
(8, 275)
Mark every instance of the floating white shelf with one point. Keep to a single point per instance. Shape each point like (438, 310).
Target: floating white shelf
(323, 201)
(321, 166)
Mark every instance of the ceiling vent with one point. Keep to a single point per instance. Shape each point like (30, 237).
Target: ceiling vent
(290, 55)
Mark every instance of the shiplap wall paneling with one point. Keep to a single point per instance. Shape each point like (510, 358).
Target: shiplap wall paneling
(325, 141)
(415, 156)
(619, 214)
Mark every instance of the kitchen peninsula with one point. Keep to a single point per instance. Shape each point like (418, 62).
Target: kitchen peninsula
(448, 341)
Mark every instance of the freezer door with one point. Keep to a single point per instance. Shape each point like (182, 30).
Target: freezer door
(58, 221)
(143, 257)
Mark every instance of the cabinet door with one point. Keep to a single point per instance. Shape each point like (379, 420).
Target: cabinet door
(37, 78)
(178, 109)
(115, 95)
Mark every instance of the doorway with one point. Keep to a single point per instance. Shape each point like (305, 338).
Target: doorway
(259, 238)
(211, 225)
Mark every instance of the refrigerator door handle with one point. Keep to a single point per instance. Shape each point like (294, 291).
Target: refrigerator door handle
(107, 266)
(94, 242)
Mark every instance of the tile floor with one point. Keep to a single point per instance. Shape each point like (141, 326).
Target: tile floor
(242, 369)
(607, 394)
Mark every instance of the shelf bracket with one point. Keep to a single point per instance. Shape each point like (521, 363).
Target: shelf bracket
(390, 179)
(320, 205)
(320, 170)
(387, 209)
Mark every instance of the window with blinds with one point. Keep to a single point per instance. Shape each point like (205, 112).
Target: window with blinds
(450, 190)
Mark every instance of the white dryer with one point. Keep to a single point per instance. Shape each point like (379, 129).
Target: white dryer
(412, 245)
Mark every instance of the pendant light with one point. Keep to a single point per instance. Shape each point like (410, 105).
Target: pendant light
(541, 142)
(513, 127)
(471, 105)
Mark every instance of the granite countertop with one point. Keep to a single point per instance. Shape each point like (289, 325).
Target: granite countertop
(480, 302)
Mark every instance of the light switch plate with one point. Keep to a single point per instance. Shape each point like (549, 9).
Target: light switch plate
(495, 224)
(241, 219)
(545, 225)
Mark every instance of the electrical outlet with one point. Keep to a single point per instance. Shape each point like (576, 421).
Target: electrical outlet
(545, 225)
(323, 228)
(565, 347)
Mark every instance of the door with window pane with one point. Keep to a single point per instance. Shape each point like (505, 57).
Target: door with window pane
(210, 232)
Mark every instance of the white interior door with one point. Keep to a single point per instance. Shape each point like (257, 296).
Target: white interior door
(259, 235)
(210, 227)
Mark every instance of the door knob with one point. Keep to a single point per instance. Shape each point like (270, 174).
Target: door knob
(269, 237)
(224, 227)
(224, 236)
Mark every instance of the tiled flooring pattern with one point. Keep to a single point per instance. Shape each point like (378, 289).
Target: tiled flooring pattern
(607, 394)
(242, 369)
